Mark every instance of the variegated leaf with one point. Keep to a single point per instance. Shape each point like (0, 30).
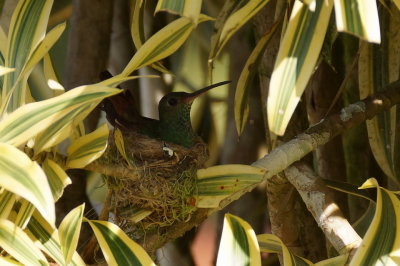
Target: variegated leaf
(31, 119)
(381, 243)
(46, 238)
(88, 148)
(238, 244)
(56, 177)
(69, 230)
(245, 81)
(358, 17)
(186, 8)
(218, 182)
(236, 20)
(27, 29)
(16, 243)
(25, 178)
(272, 244)
(117, 247)
(296, 59)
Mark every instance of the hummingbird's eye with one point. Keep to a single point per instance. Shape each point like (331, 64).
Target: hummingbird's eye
(172, 101)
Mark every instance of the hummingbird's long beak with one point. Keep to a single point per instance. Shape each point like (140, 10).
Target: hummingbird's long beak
(191, 96)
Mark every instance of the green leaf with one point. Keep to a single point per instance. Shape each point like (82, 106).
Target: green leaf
(245, 80)
(238, 245)
(358, 17)
(88, 148)
(16, 243)
(186, 8)
(46, 238)
(381, 243)
(27, 29)
(25, 178)
(69, 231)
(56, 177)
(272, 244)
(117, 247)
(236, 20)
(24, 213)
(31, 119)
(7, 200)
(296, 59)
(218, 182)
(162, 44)
(378, 66)
(4, 261)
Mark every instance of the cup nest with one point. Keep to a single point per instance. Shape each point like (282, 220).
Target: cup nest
(160, 188)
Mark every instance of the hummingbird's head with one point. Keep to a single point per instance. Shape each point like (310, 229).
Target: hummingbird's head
(179, 103)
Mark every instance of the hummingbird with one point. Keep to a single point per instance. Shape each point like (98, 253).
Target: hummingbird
(174, 124)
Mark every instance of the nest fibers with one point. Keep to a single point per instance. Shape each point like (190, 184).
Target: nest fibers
(161, 190)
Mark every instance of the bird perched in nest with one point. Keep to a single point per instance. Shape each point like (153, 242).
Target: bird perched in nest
(174, 111)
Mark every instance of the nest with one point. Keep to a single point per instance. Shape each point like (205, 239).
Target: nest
(161, 190)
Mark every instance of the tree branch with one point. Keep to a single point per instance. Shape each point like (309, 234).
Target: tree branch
(320, 202)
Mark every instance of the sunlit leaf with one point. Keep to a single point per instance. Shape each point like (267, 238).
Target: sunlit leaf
(29, 120)
(24, 213)
(88, 148)
(238, 244)
(236, 20)
(56, 177)
(381, 243)
(16, 243)
(5, 70)
(187, 8)
(117, 247)
(7, 200)
(27, 28)
(296, 59)
(25, 178)
(69, 231)
(46, 238)
(358, 17)
(272, 244)
(162, 44)
(218, 182)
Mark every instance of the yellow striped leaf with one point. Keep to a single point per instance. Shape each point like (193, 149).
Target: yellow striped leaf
(162, 44)
(378, 66)
(51, 77)
(25, 178)
(245, 80)
(56, 177)
(238, 244)
(88, 148)
(358, 17)
(24, 213)
(236, 20)
(137, 32)
(297, 56)
(397, 3)
(27, 29)
(61, 129)
(16, 243)
(218, 182)
(381, 243)
(272, 244)
(46, 238)
(186, 8)
(117, 247)
(335, 261)
(119, 142)
(4, 261)
(7, 200)
(69, 230)
(31, 119)
(5, 70)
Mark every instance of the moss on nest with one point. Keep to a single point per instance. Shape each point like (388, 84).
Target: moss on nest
(162, 187)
